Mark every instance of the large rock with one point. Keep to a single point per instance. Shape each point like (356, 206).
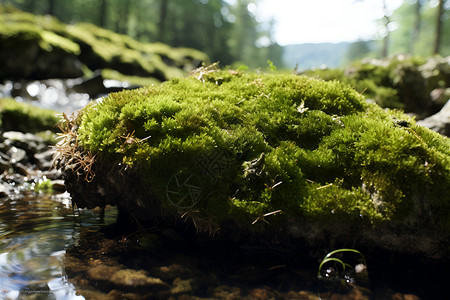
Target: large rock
(273, 158)
(439, 122)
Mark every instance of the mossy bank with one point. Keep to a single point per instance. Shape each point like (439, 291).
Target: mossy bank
(25, 117)
(265, 157)
(41, 47)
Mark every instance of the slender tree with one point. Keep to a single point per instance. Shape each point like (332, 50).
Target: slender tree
(103, 13)
(438, 32)
(162, 19)
(51, 7)
(415, 32)
(387, 21)
(31, 5)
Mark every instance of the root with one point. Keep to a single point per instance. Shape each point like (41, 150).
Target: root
(68, 153)
(200, 224)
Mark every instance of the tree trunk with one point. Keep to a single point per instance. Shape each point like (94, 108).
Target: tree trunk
(31, 6)
(124, 15)
(385, 50)
(51, 7)
(438, 32)
(417, 26)
(103, 13)
(162, 20)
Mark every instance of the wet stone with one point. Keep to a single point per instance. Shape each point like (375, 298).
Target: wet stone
(133, 278)
(181, 286)
(3, 191)
(58, 185)
(21, 169)
(4, 165)
(44, 159)
(17, 155)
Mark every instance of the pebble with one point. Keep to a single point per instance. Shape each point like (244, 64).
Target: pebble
(26, 158)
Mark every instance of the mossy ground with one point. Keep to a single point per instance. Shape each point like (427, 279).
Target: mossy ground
(225, 147)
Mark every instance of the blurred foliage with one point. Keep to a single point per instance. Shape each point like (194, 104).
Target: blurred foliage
(401, 82)
(416, 34)
(226, 33)
(412, 30)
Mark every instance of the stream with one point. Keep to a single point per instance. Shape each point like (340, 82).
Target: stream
(50, 250)
(35, 232)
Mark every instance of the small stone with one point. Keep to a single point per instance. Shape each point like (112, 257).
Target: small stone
(410, 297)
(17, 155)
(3, 191)
(181, 286)
(53, 174)
(439, 122)
(114, 294)
(58, 185)
(133, 278)
(4, 165)
(261, 293)
(22, 169)
(44, 159)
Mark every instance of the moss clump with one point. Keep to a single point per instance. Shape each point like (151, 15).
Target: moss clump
(26, 117)
(223, 147)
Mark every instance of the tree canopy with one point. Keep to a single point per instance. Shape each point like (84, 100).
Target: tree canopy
(420, 27)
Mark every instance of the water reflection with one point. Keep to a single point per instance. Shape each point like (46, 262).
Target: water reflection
(35, 231)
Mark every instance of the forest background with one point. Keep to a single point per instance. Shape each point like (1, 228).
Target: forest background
(228, 31)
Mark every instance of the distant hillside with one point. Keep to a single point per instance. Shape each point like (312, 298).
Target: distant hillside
(309, 56)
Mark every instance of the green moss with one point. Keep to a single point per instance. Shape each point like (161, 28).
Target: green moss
(53, 40)
(43, 185)
(102, 48)
(14, 30)
(26, 117)
(310, 148)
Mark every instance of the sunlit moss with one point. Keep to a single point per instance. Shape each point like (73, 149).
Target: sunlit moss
(24, 29)
(309, 148)
(26, 117)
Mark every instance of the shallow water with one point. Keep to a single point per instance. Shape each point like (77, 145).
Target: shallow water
(35, 231)
(50, 251)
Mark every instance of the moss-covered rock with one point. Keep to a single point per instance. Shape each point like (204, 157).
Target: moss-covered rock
(29, 50)
(263, 156)
(26, 117)
(399, 82)
(37, 47)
